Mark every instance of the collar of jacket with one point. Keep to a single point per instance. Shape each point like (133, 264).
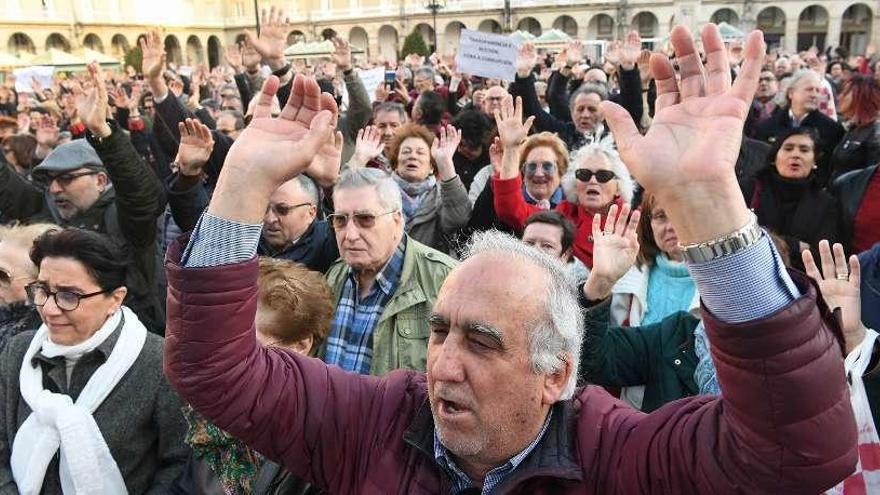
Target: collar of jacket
(265, 249)
(553, 457)
(102, 351)
(90, 219)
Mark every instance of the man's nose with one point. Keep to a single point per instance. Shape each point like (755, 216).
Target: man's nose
(448, 366)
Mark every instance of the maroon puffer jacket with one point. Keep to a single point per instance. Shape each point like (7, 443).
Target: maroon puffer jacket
(783, 426)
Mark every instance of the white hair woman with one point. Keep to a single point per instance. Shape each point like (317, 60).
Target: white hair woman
(88, 409)
(596, 179)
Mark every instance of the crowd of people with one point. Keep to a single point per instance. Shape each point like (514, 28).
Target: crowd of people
(261, 279)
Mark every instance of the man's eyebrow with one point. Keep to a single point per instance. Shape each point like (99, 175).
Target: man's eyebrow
(477, 327)
(487, 330)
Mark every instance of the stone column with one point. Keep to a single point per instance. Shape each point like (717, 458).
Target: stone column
(791, 32)
(835, 23)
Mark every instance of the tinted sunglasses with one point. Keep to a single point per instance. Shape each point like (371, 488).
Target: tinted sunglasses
(363, 220)
(602, 176)
(66, 179)
(282, 210)
(531, 168)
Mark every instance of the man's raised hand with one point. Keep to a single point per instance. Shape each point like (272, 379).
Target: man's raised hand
(687, 156)
(271, 151)
(196, 145)
(272, 39)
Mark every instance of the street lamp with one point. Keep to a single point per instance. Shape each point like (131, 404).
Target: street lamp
(434, 6)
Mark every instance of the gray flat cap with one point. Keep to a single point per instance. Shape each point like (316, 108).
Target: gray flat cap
(69, 156)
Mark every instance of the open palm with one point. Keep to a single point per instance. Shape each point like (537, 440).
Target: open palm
(616, 246)
(283, 147)
(687, 157)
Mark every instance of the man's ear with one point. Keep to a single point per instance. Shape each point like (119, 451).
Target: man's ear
(554, 383)
(102, 179)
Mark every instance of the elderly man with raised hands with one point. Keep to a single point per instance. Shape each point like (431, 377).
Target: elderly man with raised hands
(498, 411)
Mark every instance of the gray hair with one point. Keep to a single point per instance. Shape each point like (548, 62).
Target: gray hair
(308, 186)
(555, 336)
(603, 147)
(424, 71)
(794, 80)
(589, 88)
(382, 182)
(390, 106)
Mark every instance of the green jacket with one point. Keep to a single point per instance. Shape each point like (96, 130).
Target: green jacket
(400, 339)
(659, 356)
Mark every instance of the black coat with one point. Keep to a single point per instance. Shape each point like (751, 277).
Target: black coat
(859, 148)
(798, 211)
(630, 98)
(830, 133)
(126, 213)
(849, 189)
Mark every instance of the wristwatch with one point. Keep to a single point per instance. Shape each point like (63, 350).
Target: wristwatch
(725, 245)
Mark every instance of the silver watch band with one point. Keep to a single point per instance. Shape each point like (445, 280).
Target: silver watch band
(724, 246)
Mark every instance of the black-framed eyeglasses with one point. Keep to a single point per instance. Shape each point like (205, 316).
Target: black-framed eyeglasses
(602, 176)
(282, 210)
(531, 168)
(38, 295)
(65, 179)
(363, 220)
(766, 79)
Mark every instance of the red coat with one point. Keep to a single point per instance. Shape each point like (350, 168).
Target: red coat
(783, 426)
(513, 210)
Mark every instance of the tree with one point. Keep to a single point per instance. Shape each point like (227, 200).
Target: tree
(135, 58)
(414, 43)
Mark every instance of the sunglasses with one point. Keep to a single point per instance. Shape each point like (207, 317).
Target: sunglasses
(602, 176)
(282, 210)
(38, 295)
(531, 168)
(66, 179)
(363, 220)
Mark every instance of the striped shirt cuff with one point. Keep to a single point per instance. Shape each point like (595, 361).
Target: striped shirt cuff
(747, 285)
(217, 241)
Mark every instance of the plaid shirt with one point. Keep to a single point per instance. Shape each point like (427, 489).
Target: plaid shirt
(350, 343)
(461, 481)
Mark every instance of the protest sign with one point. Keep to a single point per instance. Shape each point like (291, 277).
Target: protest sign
(372, 79)
(23, 76)
(487, 55)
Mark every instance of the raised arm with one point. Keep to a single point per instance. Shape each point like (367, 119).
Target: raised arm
(455, 209)
(510, 206)
(139, 195)
(524, 87)
(778, 361)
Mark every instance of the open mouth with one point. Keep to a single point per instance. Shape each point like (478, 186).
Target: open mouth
(451, 408)
(593, 193)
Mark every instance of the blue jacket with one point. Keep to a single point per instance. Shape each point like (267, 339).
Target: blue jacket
(870, 261)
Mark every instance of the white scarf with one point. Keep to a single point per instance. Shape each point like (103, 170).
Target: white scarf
(86, 464)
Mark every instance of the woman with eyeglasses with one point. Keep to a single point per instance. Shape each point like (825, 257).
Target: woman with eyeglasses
(789, 200)
(599, 180)
(16, 271)
(88, 409)
(435, 201)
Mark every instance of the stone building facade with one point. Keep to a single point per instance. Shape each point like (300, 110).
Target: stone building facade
(196, 30)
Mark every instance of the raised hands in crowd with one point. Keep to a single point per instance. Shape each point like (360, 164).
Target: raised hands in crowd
(680, 198)
(369, 145)
(196, 145)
